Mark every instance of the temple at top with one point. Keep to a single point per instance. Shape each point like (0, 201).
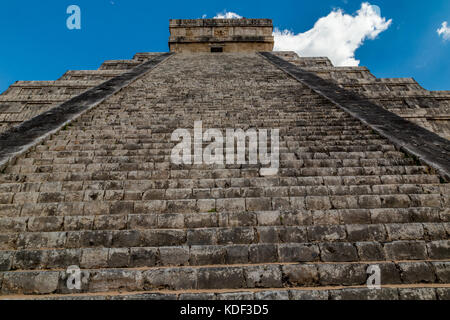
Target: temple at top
(221, 35)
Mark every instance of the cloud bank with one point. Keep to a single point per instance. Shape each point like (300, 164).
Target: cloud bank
(227, 15)
(444, 31)
(336, 36)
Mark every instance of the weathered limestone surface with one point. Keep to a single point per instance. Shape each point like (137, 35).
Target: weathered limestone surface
(102, 194)
(403, 96)
(25, 99)
(426, 146)
(227, 35)
(20, 139)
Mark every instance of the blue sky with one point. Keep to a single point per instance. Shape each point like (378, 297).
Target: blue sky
(36, 44)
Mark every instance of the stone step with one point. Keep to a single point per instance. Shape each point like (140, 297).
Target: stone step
(332, 185)
(286, 146)
(123, 256)
(39, 220)
(369, 156)
(134, 133)
(292, 125)
(331, 151)
(90, 75)
(157, 137)
(234, 199)
(119, 64)
(94, 203)
(42, 88)
(184, 189)
(397, 292)
(290, 121)
(307, 107)
(36, 99)
(286, 162)
(149, 237)
(139, 182)
(287, 217)
(346, 149)
(217, 277)
(231, 117)
(315, 163)
(147, 172)
(359, 133)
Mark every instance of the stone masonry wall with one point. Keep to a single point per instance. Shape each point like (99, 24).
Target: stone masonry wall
(26, 99)
(103, 194)
(403, 96)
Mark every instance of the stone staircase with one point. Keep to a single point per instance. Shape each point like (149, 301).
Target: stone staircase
(25, 99)
(102, 194)
(402, 96)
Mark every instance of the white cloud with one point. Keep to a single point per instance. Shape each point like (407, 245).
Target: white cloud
(444, 31)
(227, 15)
(336, 36)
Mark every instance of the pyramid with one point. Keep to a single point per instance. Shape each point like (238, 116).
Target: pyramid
(92, 205)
